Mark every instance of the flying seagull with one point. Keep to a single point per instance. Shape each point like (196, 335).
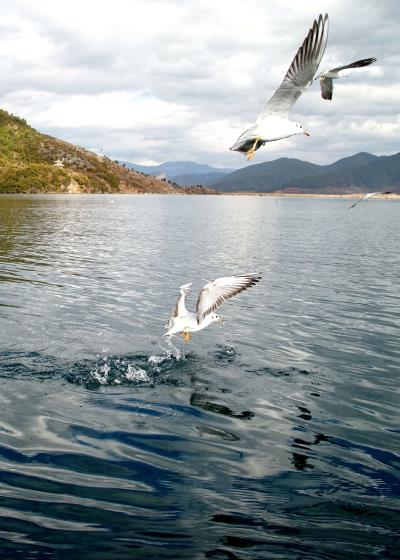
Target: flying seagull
(273, 122)
(211, 297)
(368, 195)
(326, 77)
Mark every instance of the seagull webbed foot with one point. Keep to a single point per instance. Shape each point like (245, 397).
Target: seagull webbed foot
(250, 153)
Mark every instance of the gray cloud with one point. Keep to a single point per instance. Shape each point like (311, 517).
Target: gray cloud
(176, 80)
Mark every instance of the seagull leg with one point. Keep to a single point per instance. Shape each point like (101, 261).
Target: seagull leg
(250, 153)
(186, 336)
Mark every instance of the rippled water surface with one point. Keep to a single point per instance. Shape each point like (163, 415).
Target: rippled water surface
(274, 435)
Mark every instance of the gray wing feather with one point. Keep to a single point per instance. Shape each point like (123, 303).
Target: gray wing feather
(213, 294)
(301, 72)
(326, 87)
(356, 64)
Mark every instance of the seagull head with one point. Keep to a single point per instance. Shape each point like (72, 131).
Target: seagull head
(298, 129)
(214, 318)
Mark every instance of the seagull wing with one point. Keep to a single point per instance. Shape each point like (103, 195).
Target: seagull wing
(326, 87)
(179, 308)
(356, 202)
(356, 64)
(368, 195)
(213, 294)
(301, 72)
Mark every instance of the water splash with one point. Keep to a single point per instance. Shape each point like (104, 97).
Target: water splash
(100, 374)
(136, 374)
(109, 371)
(170, 352)
(135, 369)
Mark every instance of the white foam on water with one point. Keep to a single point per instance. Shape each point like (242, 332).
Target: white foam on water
(100, 374)
(134, 373)
(156, 360)
(116, 371)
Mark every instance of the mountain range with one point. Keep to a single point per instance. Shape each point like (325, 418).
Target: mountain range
(183, 173)
(361, 172)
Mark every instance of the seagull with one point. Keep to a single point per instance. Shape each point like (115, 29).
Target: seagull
(273, 122)
(368, 195)
(211, 297)
(326, 77)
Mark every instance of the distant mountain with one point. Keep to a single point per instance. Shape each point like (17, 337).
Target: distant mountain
(204, 179)
(32, 162)
(173, 169)
(265, 177)
(348, 162)
(361, 172)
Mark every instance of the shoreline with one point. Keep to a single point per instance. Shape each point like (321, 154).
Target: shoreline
(312, 195)
(393, 196)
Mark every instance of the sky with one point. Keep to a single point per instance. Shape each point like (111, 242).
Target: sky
(160, 80)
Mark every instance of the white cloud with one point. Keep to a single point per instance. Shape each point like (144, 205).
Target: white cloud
(161, 80)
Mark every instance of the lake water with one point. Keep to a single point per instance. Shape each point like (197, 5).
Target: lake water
(274, 435)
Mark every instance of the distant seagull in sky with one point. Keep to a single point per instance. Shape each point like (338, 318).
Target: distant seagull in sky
(368, 195)
(326, 78)
(211, 297)
(273, 122)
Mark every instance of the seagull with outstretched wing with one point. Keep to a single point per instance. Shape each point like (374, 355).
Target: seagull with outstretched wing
(326, 78)
(368, 195)
(273, 122)
(211, 297)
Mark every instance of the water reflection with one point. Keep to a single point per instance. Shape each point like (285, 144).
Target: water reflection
(20, 224)
(201, 401)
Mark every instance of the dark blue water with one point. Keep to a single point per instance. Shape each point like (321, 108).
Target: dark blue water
(273, 436)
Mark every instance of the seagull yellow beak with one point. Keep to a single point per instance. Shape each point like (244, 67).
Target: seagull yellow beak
(306, 133)
(221, 320)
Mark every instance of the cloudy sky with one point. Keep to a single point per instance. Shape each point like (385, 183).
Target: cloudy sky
(156, 80)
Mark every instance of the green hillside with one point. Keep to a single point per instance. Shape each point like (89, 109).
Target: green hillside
(27, 165)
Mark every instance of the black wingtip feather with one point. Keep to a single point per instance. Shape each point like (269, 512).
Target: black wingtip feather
(366, 62)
